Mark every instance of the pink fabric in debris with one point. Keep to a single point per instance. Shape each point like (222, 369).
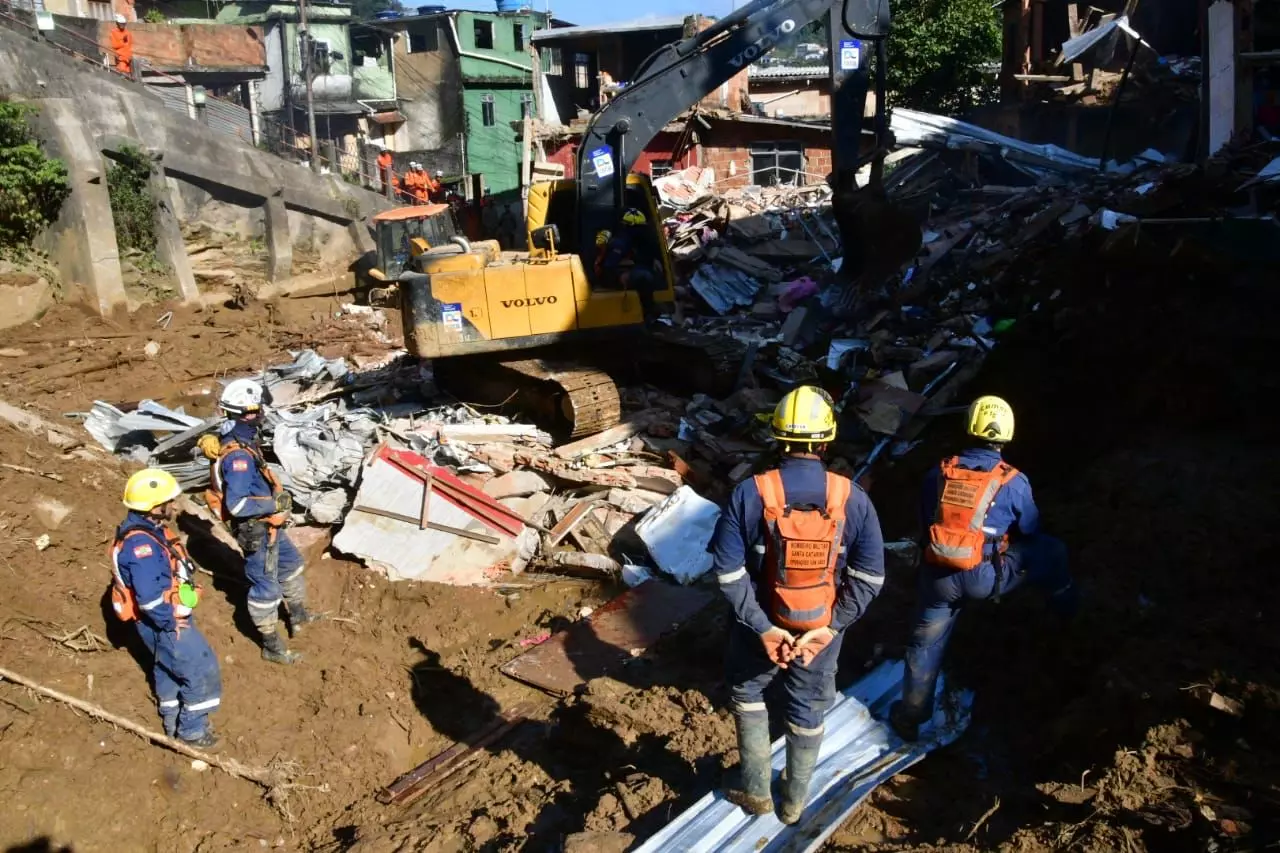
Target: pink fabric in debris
(798, 291)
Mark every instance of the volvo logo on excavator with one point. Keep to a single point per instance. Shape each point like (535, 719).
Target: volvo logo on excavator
(765, 43)
(528, 303)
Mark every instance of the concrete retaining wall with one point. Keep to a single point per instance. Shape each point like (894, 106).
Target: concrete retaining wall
(210, 177)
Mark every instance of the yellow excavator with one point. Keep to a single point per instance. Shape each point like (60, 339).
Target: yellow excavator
(542, 329)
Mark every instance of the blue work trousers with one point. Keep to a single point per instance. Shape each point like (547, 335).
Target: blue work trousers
(267, 590)
(187, 680)
(811, 690)
(1040, 560)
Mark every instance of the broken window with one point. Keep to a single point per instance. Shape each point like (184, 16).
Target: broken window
(582, 71)
(658, 168)
(775, 163)
(526, 105)
(551, 63)
(484, 35)
(487, 115)
(425, 41)
(319, 57)
(517, 34)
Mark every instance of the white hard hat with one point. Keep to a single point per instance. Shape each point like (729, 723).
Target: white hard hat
(241, 396)
(439, 173)
(120, 19)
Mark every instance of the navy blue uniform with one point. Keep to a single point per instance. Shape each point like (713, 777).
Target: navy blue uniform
(188, 683)
(738, 548)
(247, 495)
(1031, 556)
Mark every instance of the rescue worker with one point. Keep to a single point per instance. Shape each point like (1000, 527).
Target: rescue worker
(421, 184)
(121, 44)
(799, 554)
(629, 260)
(981, 540)
(257, 509)
(152, 587)
(437, 186)
(384, 164)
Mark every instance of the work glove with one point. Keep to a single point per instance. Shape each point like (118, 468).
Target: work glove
(812, 642)
(779, 645)
(277, 520)
(284, 501)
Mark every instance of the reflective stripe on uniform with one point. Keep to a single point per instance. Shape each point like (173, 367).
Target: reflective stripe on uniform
(733, 576)
(748, 707)
(152, 605)
(205, 705)
(759, 549)
(235, 510)
(951, 552)
(292, 575)
(800, 617)
(803, 732)
(168, 703)
(265, 605)
(874, 580)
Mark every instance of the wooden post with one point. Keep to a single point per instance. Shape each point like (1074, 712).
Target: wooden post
(526, 131)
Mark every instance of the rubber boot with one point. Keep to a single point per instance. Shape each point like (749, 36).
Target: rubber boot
(299, 615)
(752, 789)
(906, 720)
(206, 741)
(802, 757)
(274, 650)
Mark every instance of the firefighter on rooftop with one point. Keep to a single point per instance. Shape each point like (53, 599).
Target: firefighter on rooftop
(152, 587)
(981, 539)
(799, 554)
(250, 499)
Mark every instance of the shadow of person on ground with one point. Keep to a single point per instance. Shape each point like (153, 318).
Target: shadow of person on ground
(227, 566)
(39, 845)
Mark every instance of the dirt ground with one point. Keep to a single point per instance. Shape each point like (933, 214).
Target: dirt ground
(1143, 424)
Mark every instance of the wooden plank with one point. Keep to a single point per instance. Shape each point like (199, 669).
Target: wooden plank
(605, 641)
(429, 525)
(612, 435)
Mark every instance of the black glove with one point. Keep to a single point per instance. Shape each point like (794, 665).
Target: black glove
(284, 501)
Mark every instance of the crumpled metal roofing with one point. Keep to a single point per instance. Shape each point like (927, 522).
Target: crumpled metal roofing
(912, 127)
(859, 752)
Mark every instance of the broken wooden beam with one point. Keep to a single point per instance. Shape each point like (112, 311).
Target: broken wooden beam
(428, 525)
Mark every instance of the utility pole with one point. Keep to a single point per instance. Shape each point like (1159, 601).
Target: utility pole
(307, 55)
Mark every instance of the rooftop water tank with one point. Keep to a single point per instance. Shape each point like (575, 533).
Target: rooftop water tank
(429, 10)
(387, 14)
(512, 5)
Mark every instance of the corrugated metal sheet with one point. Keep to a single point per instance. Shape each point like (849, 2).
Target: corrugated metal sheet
(787, 72)
(858, 753)
(228, 118)
(174, 97)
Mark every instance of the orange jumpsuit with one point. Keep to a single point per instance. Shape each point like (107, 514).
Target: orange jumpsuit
(384, 167)
(121, 42)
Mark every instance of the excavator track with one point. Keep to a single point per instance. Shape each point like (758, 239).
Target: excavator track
(565, 397)
(691, 362)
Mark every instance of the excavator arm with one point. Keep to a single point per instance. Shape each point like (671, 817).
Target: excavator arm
(678, 75)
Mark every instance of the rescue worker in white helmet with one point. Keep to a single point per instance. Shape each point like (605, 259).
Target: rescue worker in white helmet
(981, 538)
(153, 587)
(799, 554)
(250, 499)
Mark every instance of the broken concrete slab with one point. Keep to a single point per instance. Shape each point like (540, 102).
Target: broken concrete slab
(516, 484)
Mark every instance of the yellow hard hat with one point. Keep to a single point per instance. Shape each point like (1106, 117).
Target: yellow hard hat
(991, 418)
(633, 217)
(804, 416)
(603, 238)
(149, 488)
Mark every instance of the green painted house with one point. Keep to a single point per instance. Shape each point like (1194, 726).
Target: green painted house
(465, 80)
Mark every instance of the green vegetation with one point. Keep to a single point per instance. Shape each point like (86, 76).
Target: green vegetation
(32, 185)
(131, 205)
(154, 16)
(940, 53)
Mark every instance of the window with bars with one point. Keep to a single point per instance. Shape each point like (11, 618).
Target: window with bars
(488, 116)
(658, 168)
(775, 163)
(100, 11)
(551, 62)
(526, 105)
(582, 71)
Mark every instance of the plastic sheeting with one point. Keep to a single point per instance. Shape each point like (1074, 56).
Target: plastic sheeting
(859, 752)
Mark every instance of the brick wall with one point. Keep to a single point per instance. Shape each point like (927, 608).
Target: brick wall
(726, 148)
(566, 154)
(205, 45)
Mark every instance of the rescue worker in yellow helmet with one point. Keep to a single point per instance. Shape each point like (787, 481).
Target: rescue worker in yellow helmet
(799, 554)
(981, 539)
(153, 587)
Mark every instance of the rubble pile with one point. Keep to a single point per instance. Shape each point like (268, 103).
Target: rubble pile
(422, 486)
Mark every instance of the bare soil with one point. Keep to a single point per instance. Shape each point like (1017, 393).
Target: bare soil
(1143, 424)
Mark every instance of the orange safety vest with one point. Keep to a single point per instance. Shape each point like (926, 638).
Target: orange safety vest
(123, 601)
(957, 536)
(801, 551)
(215, 495)
(121, 42)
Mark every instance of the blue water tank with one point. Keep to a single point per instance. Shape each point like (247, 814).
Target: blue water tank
(512, 5)
(429, 10)
(387, 14)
